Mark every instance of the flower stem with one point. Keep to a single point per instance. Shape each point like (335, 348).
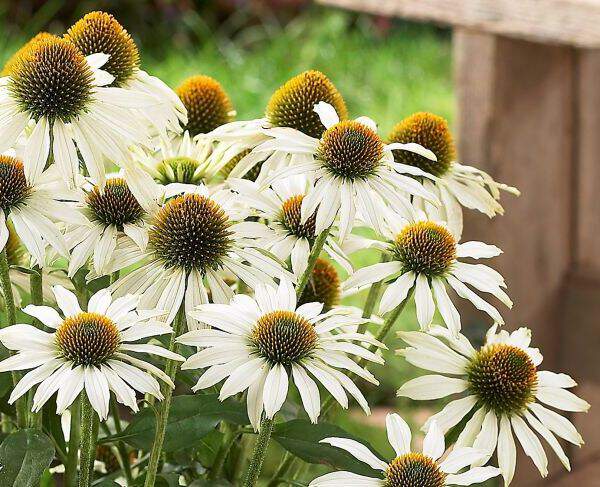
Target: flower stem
(89, 422)
(74, 438)
(389, 322)
(371, 301)
(11, 315)
(121, 450)
(259, 453)
(312, 260)
(165, 406)
(37, 299)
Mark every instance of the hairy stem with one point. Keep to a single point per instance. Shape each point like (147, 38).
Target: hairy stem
(89, 422)
(259, 453)
(165, 406)
(74, 438)
(371, 301)
(37, 299)
(11, 315)
(312, 260)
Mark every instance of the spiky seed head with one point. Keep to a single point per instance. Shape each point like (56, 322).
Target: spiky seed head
(350, 150)
(14, 187)
(284, 337)
(251, 175)
(191, 231)
(323, 286)
(42, 36)
(52, 79)
(433, 133)
(88, 338)
(503, 377)
(425, 247)
(114, 204)
(208, 105)
(292, 105)
(101, 32)
(414, 470)
(289, 217)
(180, 169)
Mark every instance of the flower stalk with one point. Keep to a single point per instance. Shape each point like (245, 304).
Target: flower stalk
(165, 405)
(74, 439)
(11, 315)
(312, 260)
(259, 453)
(89, 432)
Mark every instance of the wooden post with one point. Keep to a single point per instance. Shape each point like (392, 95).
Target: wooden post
(528, 91)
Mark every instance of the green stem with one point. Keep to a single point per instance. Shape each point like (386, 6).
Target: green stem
(165, 406)
(88, 442)
(121, 450)
(259, 453)
(312, 260)
(371, 301)
(389, 322)
(74, 438)
(11, 315)
(37, 299)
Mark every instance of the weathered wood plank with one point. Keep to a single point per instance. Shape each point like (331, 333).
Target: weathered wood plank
(572, 22)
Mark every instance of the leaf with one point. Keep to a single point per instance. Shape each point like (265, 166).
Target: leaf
(191, 418)
(107, 483)
(24, 456)
(301, 438)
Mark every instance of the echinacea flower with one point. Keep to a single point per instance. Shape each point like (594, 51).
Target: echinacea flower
(87, 350)
(324, 286)
(354, 170)
(424, 255)
(34, 204)
(54, 93)
(409, 468)
(8, 65)
(109, 213)
(99, 32)
(194, 236)
(177, 160)
(502, 383)
(255, 344)
(208, 105)
(290, 108)
(453, 183)
(280, 207)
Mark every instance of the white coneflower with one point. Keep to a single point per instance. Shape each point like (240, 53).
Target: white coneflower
(280, 206)
(424, 255)
(34, 205)
(88, 350)
(110, 212)
(502, 383)
(353, 169)
(100, 32)
(455, 184)
(193, 237)
(54, 92)
(290, 109)
(256, 343)
(178, 160)
(409, 468)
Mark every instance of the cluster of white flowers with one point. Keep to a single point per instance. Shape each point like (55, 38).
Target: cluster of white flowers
(211, 231)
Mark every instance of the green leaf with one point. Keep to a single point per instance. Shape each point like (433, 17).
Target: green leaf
(107, 483)
(301, 438)
(24, 456)
(191, 418)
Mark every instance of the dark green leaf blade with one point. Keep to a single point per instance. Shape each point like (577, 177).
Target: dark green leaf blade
(191, 418)
(301, 438)
(24, 456)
